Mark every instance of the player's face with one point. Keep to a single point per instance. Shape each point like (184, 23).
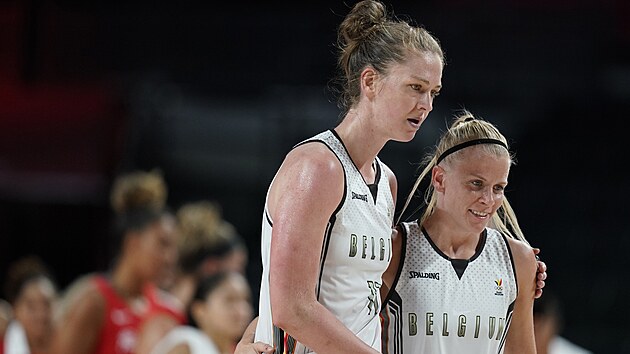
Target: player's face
(474, 187)
(405, 95)
(227, 310)
(34, 308)
(158, 249)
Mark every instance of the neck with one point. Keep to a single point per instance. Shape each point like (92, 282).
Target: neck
(225, 345)
(184, 288)
(453, 242)
(125, 282)
(39, 345)
(360, 138)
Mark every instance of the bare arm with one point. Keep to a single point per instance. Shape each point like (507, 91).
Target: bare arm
(79, 328)
(392, 269)
(390, 274)
(520, 337)
(393, 185)
(305, 193)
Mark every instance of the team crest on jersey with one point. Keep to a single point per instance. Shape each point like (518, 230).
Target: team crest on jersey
(498, 290)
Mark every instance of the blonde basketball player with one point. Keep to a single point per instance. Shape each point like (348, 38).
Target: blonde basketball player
(326, 228)
(463, 281)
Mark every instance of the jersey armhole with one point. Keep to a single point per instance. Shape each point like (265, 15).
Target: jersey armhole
(509, 249)
(403, 253)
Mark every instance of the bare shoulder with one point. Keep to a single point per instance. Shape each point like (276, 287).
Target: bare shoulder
(397, 240)
(522, 252)
(524, 260)
(311, 171)
(397, 235)
(82, 295)
(391, 177)
(313, 155)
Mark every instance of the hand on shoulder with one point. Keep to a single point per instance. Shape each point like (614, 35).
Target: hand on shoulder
(525, 264)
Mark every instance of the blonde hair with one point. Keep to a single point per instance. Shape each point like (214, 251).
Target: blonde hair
(138, 190)
(138, 199)
(203, 233)
(466, 128)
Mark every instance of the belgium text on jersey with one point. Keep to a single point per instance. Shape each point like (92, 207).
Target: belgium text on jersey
(496, 326)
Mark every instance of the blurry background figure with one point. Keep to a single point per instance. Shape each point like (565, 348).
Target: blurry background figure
(207, 245)
(548, 326)
(206, 235)
(6, 314)
(103, 311)
(32, 292)
(218, 315)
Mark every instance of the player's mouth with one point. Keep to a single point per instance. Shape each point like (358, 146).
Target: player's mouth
(479, 214)
(415, 122)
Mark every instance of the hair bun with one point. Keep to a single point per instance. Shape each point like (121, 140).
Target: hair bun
(139, 190)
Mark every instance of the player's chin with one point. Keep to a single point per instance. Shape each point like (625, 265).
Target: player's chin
(405, 138)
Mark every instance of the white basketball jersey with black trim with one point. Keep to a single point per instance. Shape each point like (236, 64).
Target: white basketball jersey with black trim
(450, 306)
(355, 252)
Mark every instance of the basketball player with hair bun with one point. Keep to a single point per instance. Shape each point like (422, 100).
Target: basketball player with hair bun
(328, 216)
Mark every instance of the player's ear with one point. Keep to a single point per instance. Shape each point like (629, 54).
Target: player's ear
(369, 78)
(437, 178)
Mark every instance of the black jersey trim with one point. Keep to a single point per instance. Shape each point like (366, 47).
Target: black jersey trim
(374, 163)
(392, 317)
(508, 321)
(333, 217)
(268, 218)
(478, 249)
(392, 304)
(374, 186)
(403, 254)
(510, 310)
(509, 249)
(459, 265)
(480, 245)
(278, 340)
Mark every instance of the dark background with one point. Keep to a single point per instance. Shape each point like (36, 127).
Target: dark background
(214, 95)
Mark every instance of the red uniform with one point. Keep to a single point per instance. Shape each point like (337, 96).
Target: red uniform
(121, 323)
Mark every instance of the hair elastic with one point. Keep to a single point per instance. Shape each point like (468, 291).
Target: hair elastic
(467, 144)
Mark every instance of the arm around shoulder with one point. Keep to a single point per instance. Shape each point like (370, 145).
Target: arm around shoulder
(520, 337)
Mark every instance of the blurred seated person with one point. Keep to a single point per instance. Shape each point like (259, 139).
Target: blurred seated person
(207, 245)
(32, 293)
(548, 325)
(218, 314)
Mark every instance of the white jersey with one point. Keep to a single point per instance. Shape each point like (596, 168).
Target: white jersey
(355, 252)
(197, 341)
(450, 306)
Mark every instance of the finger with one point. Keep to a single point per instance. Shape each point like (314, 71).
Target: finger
(541, 276)
(261, 347)
(542, 267)
(540, 284)
(538, 293)
(536, 250)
